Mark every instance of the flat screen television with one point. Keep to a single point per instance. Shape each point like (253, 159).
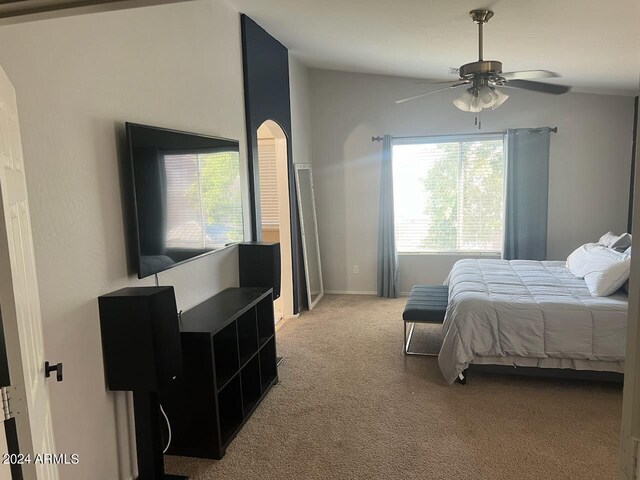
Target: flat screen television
(186, 197)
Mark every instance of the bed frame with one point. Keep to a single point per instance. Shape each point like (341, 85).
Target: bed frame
(428, 304)
(564, 373)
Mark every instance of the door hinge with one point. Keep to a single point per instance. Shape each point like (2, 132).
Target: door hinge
(11, 402)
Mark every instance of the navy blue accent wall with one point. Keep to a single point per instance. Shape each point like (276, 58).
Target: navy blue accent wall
(267, 97)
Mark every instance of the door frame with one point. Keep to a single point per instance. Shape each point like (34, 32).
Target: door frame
(630, 437)
(8, 425)
(277, 135)
(254, 199)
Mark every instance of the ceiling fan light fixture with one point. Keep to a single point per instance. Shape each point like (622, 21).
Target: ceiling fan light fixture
(487, 97)
(474, 100)
(467, 101)
(502, 97)
(475, 106)
(462, 102)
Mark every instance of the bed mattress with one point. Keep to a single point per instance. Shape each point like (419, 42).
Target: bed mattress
(529, 313)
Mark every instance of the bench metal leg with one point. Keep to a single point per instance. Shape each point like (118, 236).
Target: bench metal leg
(407, 342)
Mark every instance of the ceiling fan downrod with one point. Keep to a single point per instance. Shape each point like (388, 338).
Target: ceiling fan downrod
(481, 67)
(480, 17)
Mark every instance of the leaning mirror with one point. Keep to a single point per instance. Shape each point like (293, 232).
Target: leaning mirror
(309, 230)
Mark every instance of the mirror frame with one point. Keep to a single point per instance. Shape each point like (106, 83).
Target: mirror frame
(298, 167)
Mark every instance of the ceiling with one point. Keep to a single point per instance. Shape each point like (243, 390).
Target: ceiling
(594, 45)
(18, 11)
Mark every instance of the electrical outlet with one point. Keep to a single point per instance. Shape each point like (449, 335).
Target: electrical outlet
(356, 270)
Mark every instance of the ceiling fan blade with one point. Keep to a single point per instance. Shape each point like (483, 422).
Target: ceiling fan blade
(408, 99)
(529, 74)
(541, 87)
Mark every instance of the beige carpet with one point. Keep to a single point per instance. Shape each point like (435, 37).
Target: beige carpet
(349, 405)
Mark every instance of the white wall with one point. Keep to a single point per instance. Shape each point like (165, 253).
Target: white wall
(589, 166)
(77, 80)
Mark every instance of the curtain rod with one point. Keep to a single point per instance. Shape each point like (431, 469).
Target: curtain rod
(379, 139)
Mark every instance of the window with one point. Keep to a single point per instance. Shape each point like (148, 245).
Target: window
(449, 194)
(268, 177)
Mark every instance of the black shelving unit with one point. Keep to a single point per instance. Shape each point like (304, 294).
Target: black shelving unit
(229, 363)
(269, 370)
(247, 336)
(251, 385)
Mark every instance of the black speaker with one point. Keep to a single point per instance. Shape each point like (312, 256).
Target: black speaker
(260, 265)
(140, 338)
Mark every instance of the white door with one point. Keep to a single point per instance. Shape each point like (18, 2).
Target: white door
(19, 300)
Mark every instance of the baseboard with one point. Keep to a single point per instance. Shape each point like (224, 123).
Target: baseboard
(349, 292)
(354, 292)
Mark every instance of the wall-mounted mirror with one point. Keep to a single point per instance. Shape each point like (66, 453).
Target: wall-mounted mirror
(309, 230)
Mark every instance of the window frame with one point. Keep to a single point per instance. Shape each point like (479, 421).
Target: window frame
(456, 138)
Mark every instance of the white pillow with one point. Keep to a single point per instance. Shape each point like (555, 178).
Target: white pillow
(604, 270)
(608, 239)
(618, 242)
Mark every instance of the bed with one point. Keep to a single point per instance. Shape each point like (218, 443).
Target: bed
(529, 314)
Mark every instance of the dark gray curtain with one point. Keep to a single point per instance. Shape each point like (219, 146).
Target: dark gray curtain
(527, 192)
(387, 255)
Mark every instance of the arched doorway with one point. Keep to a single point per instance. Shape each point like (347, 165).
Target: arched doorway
(275, 215)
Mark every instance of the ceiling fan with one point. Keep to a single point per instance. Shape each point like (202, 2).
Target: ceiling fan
(484, 76)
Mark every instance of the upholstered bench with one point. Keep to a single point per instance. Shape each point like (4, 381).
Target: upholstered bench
(426, 304)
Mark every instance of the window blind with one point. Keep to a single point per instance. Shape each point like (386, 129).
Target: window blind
(449, 194)
(204, 200)
(268, 178)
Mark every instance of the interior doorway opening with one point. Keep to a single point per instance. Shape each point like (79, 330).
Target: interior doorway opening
(275, 215)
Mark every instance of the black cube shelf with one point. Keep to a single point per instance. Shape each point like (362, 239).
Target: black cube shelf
(247, 336)
(266, 324)
(230, 410)
(229, 362)
(226, 356)
(251, 385)
(269, 370)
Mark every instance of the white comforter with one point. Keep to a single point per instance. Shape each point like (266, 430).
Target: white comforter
(501, 311)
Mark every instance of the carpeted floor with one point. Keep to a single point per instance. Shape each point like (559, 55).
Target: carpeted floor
(349, 405)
